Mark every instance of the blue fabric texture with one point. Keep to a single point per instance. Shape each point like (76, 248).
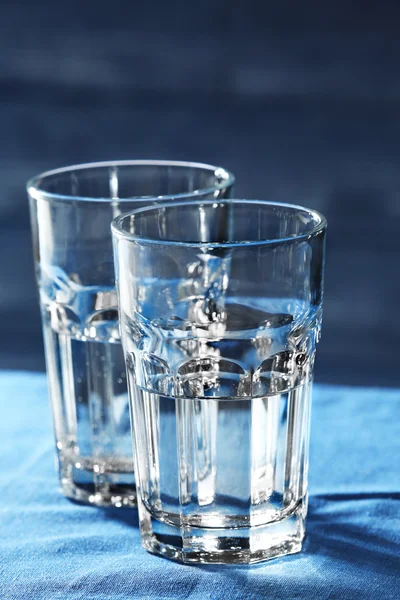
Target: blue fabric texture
(51, 548)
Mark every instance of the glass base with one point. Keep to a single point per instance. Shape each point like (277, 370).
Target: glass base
(109, 495)
(188, 544)
(97, 489)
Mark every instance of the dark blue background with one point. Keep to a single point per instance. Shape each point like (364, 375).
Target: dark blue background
(300, 99)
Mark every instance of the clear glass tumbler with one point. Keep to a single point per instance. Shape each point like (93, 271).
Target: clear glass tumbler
(71, 212)
(220, 310)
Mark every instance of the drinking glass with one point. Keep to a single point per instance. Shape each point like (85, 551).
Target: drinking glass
(71, 213)
(220, 310)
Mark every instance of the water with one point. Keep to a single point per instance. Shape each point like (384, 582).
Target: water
(221, 403)
(229, 463)
(88, 389)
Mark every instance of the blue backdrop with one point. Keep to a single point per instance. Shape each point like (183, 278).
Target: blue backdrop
(300, 100)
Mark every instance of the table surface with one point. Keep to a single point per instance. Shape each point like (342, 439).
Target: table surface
(52, 548)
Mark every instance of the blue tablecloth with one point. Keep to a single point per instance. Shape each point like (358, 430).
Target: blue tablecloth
(51, 548)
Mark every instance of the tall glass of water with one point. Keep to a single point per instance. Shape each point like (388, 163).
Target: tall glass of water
(71, 212)
(220, 309)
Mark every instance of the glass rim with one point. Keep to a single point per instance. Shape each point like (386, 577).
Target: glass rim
(119, 232)
(34, 183)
